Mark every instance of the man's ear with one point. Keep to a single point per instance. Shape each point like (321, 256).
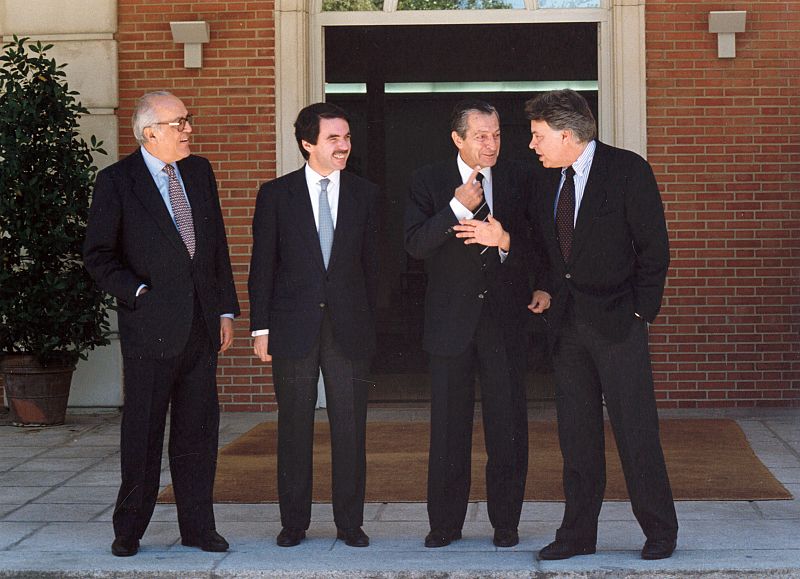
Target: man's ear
(149, 133)
(459, 142)
(306, 145)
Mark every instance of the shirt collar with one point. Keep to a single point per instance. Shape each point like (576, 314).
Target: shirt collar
(154, 164)
(584, 161)
(314, 177)
(466, 170)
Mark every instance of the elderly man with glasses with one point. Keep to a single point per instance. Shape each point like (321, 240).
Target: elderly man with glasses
(156, 242)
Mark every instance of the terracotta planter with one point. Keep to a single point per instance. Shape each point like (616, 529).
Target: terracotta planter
(37, 395)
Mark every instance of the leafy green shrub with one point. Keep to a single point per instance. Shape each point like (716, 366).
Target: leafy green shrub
(49, 306)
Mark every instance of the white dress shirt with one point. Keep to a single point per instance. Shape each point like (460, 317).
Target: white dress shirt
(458, 208)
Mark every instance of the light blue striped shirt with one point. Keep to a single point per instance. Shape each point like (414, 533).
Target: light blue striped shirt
(582, 167)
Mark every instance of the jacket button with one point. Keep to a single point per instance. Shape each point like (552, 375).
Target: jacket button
(480, 296)
(568, 276)
(322, 304)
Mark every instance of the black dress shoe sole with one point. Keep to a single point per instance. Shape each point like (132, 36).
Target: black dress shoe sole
(208, 548)
(511, 542)
(436, 543)
(285, 542)
(124, 551)
(361, 541)
(656, 554)
(560, 556)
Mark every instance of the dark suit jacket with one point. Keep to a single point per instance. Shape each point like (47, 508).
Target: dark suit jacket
(289, 287)
(132, 240)
(620, 252)
(461, 282)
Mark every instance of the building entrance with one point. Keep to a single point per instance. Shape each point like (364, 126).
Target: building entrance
(399, 84)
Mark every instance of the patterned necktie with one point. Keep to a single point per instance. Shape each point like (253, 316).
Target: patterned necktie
(565, 213)
(482, 212)
(325, 222)
(181, 210)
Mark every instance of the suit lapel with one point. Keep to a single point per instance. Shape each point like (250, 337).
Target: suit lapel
(300, 200)
(499, 192)
(453, 180)
(345, 217)
(593, 198)
(194, 192)
(549, 190)
(147, 192)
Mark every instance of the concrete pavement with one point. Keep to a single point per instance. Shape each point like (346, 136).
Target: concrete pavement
(58, 485)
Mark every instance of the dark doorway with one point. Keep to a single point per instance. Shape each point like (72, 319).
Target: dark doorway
(399, 84)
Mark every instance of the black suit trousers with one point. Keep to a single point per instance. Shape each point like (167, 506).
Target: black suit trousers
(500, 368)
(186, 385)
(346, 391)
(590, 368)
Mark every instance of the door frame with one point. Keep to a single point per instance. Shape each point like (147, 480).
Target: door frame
(300, 70)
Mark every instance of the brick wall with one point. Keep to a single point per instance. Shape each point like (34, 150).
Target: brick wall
(724, 140)
(233, 98)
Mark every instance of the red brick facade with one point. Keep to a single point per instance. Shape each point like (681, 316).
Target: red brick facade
(233, 98)
(723, 137)
(724, 140)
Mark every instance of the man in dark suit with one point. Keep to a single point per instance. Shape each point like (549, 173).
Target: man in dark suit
(313, 287)
(474, 319)
(156, 242)
(603, 223)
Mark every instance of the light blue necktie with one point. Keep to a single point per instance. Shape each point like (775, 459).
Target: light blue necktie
(325, 222)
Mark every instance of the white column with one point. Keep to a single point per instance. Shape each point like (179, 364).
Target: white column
(291, 78)
(629, 85)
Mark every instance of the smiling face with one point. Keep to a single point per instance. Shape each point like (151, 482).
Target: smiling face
(481, 142)
(332, 148)
(164, 142)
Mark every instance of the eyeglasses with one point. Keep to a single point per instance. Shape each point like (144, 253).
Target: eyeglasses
(180, 124)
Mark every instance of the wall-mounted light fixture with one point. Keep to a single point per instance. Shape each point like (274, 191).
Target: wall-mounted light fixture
(192, 35)
(726, 24)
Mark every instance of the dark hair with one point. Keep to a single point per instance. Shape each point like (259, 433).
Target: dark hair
(306, 127)
(463, 109)
(563, 110)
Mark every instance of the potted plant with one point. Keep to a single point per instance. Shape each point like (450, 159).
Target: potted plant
(51, 313)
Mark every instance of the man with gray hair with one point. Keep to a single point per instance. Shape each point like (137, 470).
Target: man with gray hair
(156, 242)
(466, 219)
(605, 235)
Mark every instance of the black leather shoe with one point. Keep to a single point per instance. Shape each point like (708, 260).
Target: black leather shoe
(658, 548)
(441, 538)
(558, 550)
(290, 537)
(210, 541)
(354, 537)
(505, 537)
(125, 546)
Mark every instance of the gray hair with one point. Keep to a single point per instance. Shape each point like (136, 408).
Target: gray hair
(144, 115)
(563, 110)
(462, 111)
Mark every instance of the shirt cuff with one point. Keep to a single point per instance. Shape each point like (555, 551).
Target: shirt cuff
(503, 255)
(139, 290)
(231, 316)
(259, 333)
(460, 211)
